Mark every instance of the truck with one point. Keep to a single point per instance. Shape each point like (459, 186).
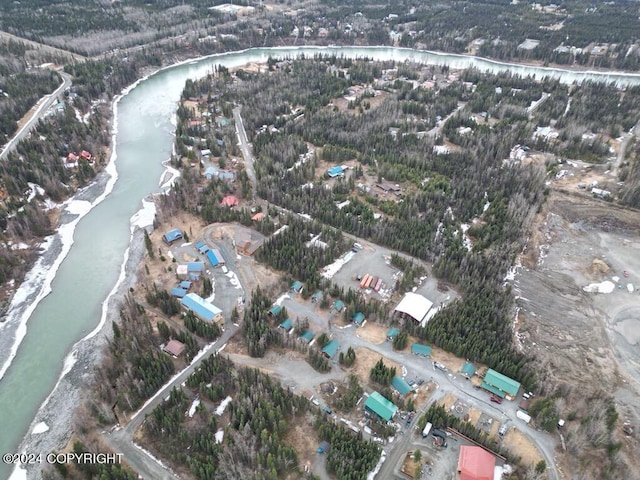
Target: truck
(426, 430)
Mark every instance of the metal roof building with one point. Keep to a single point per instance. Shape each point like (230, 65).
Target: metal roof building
(212, 258)
(174, 347)
(196, 267)
(202, 247)
(475, 463)
(419, 349)
(178, 292)
(201, 308)
(336, 171)
(500, 384)
(316, 296)
(172, 236)
(401, 385)
(275, 310)
(358, 318)
(392, 333)
(379, 405)
(287, 325)
(297, 286)
(414, 306)
(330, 349)
(307, 336)
(338, 305)
(469, 369)
(186, 284)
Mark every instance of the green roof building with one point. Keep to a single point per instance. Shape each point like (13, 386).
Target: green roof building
(392, 333)
(338, 305)
(500, 384)
(307, 336)
(469, 369)
(358, 318)
(379, 405)
(419, 349)
(317, 296)
(330, 349)
(401, 385)
(296, 286)
(275, 310)
(287, 325)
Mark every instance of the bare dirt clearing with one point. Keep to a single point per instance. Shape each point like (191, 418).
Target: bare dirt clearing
(519, 445)
(373, 333)
(366, 359)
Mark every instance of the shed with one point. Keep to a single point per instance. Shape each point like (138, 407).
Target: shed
(212, 258)
(419, 349)
(172, 236)
(297, 286)
(475, 463)
(201, 308)
(307, 336)
(379, 405)
(178, 292)
(186, 284)
(275, 310)
(330, 349)
(401, 386)
(174, 347)
(316, 296)
(468, 369)
(287, 325)
(358, 318)
(324, 447)
(414, 306)
(338, 305)
(500, 382)
(392, 333)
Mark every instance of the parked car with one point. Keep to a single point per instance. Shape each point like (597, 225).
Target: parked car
(495, 399)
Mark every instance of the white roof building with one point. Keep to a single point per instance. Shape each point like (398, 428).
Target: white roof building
(415, 306)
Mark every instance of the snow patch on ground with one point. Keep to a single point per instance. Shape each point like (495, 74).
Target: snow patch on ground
(194, 406)
(223, 405)
(330, 270)
(602, 287)
(40, 428)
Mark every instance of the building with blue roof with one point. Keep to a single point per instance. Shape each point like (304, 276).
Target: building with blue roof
(212, 258)
(468, 369)
(401, 386)
(330, 349)
(337, 171)
(316, 297)
(202, 247)
(172, 236)
(338, 305)
(201, 308)
(287, 325)
(186, 284)
(195, 267)
(422, 350)
(392, 333)
(178, 292)
(275, 310)
(297, 286)
(219, 257)
(358, 318)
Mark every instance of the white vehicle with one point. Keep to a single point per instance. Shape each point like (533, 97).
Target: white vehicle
(224, 269)
(526, 418)
(426, 430)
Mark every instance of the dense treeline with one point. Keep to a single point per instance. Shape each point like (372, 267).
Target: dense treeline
(382, 374)
(258, 421)
(256, 328)
(103, 471)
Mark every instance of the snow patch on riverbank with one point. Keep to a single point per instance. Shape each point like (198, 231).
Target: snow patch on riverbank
(145, 216)
(40, 428)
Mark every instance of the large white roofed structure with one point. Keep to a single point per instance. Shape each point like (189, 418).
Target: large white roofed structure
(415, 306)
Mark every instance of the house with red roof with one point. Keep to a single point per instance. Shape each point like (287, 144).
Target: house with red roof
(475, 463)
(71, 161)
(229, 201)
(86, 155)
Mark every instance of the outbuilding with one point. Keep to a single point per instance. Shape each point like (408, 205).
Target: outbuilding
(358, 319)
(307, 336)
(330, 349)
(174, 347)
(338, 305)
(468, 369)
(392, 333)
(401, 386)
(422, 350)
(414, 306)
(178, 292)
(287, 325)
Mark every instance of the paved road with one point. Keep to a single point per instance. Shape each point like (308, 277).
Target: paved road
(42, 106)
(245, 147)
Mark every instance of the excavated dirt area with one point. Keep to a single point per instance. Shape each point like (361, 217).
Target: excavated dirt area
(587, 342)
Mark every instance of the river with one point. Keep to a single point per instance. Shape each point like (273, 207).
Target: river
(59, 307)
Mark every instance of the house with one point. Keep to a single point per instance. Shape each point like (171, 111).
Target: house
(330, 349)
(297, 287)
(500, 384)
(422, 350)
(414, 306)
(71, 161)
(258, 217)
(307, 336)
(195, 267)
(172, 235)
(229, 201)
(174, 347)
(201, 308)
(338, 305)
(392, 333)
(379, 405)
(358, 319)
(337, 171)
(475, 463)
(247, 243)
(468, 369)
(401, 386)
(202, 247)
(185, 284)
(274, 311)
(316, 297)
(86, 155)
(178, 292)
(287, 325)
